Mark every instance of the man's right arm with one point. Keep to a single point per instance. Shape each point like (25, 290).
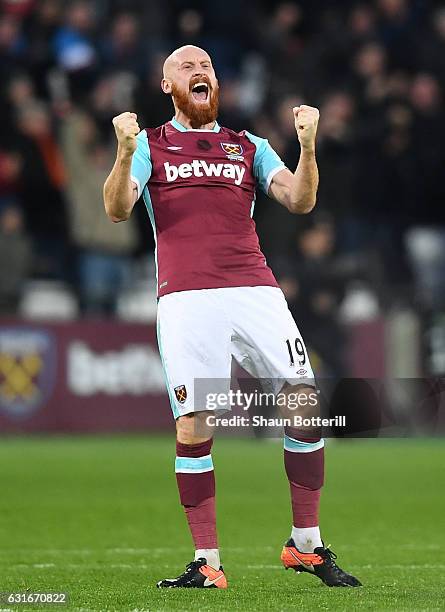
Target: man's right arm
(120, 192)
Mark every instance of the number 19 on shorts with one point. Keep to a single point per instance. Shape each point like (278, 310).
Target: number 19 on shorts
(298, 347)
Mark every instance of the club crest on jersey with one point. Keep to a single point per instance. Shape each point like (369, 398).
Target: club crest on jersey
(181, 393)
(233, 151)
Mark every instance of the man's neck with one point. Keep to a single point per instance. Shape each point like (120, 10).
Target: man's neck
(185, 121)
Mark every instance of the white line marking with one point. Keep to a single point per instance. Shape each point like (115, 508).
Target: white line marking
(276, 566)
(129, 551)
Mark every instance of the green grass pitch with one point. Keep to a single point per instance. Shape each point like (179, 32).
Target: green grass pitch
(100, 519)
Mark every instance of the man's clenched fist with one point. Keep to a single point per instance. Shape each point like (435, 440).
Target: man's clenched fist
(126, 128)
(306, 122)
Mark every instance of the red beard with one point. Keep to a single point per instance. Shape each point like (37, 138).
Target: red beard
(197, 114)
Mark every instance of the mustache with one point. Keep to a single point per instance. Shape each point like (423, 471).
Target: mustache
(203, 78)
(198, 116)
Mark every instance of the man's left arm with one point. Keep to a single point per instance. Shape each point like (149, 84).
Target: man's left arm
(298, 191)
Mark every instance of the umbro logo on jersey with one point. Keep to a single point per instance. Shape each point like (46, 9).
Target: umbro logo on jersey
(174, 148)
(201, 168)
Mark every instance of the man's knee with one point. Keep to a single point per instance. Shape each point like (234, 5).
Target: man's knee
(193, 428)
(302, 410)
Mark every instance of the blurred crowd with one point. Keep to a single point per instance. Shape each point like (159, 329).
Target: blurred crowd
(374, 68)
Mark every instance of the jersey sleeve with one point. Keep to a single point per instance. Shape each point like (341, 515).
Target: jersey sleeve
(266, 162)
(141, 165)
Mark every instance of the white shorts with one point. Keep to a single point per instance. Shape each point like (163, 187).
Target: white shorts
(199, 332)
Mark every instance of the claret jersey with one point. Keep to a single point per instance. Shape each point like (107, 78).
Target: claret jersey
(199, 189)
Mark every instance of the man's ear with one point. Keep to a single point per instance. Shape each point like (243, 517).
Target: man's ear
(166, 86)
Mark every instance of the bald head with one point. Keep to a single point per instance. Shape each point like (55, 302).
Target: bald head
(181, 55)
(189, 78)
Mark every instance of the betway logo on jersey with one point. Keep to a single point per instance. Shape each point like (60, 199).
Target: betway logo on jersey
(200, 168)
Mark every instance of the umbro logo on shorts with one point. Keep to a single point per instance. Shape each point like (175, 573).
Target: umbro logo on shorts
(181, 393)
(200, 168)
